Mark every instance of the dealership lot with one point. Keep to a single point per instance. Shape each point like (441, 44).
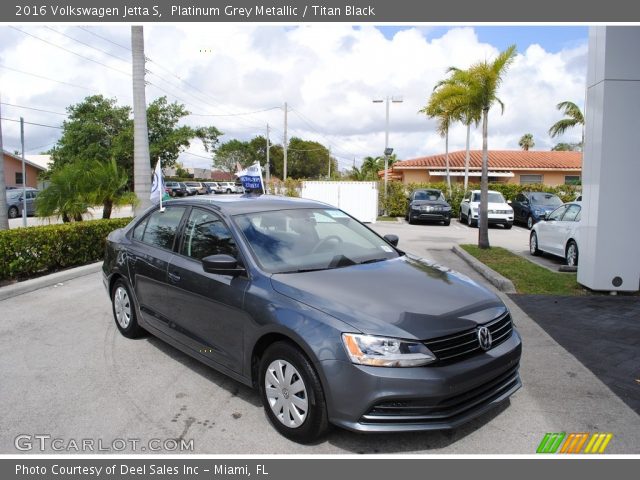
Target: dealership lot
(68, 373)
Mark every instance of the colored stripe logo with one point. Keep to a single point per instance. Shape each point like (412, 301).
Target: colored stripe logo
(574, 442)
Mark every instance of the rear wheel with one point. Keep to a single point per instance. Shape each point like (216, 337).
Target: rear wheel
(571, 255)
(292, 394)
(124, 312)
(529, 222)
(533, 244)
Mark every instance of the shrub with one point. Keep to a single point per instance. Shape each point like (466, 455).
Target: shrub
(26, 252)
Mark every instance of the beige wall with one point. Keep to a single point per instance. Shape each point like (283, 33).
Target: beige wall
(11, 166)
(548, 178)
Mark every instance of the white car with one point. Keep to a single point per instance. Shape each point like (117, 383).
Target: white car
(558, 233)
(229, 187)
(499, 211)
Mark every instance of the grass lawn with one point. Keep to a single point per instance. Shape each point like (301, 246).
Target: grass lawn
(527, 277)
(387, 219)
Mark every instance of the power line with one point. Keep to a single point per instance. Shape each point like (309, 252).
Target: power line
(30, 123)
(33, 108)
(45, 78)
(70, 51)
(104, 38)
(233, 114)
(88, 45)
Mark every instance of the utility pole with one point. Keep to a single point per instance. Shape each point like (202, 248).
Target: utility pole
(24, 176)
(284, 170)
(4, 217)
(141, 159)
(268, 163)
(329, 175)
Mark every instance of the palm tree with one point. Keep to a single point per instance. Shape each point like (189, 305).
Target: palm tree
(66, 195)
(107, 185)
(574, 117)
(526, 142)
(484, 79)
(141, 160)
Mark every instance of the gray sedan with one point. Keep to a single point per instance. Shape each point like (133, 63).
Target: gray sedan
(331, 322)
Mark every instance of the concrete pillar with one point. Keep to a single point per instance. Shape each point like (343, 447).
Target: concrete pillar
(610, 226)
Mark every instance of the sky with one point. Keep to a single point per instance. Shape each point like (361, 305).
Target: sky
(238, 77)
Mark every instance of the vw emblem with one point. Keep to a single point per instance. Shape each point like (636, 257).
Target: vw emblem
(484, 337)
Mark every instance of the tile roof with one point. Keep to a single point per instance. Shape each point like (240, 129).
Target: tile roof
(500, 159)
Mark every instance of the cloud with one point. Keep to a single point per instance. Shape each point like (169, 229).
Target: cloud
(328, 74)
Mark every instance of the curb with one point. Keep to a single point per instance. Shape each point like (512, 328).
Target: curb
(501, 283)
(27, 286)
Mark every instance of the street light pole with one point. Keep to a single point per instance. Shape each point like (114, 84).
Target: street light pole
(394, 99)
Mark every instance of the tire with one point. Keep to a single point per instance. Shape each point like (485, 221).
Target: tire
(571, 254)
(470, 222)
(447, 222)
(507, 226)
(529, 222)
(228, 190)
(310, 408)
(411, 220)
(533, 245)
(461, 218)
(13, 212)
(124, 311)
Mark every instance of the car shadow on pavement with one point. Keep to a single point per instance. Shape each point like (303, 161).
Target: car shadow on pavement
(234, 387)
(358, 443)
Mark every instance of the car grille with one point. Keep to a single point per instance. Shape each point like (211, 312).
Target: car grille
(499, 211)
(453, 348)
(447, 411)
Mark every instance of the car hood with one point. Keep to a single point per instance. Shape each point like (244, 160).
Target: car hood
(415, 203)
(403, 297)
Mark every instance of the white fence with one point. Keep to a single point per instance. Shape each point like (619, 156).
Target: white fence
(358, 199)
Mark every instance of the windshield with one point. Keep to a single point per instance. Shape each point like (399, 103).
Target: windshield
(432, 195)
(545, 199)
(494, 197)
(297, 240)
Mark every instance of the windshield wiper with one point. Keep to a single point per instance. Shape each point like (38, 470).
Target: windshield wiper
(373, 260)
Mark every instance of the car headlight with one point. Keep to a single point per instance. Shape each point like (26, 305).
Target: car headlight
(386, 352)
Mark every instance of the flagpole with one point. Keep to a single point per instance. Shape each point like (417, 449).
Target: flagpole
(161, 180)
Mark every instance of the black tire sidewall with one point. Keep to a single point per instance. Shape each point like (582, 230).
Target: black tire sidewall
(13, 210)
(316, 424)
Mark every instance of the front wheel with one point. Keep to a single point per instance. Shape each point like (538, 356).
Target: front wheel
(571, 256)
(447, 222)
(13, 212)
(529, 222)
(507, 226)
(470, 221)
(292, 394)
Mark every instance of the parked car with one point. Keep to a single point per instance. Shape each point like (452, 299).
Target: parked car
(213, 187)
(191, 190)
(291, 296)
(230, 187)
(175, 189)
(531, 207)
(15, 201)
(428, 205)
(499, 211)
(558, 234)
(199, 186)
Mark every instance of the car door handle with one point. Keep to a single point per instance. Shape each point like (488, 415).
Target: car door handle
(174, 277)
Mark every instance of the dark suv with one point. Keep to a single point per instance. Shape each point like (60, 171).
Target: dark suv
(428, 205)
(175, 189)
(531, 207)
(328, 320)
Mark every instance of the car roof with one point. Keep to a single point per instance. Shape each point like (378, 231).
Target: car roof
(488, 191)
(249, 203)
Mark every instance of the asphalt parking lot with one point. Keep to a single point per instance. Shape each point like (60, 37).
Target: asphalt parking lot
(68, 373)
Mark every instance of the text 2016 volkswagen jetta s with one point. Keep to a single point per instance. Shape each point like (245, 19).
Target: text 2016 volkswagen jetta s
(331, 322)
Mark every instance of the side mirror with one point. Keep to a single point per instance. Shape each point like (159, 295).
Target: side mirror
(222, 264)
(509, 202)
(392, 239)
(546, 215)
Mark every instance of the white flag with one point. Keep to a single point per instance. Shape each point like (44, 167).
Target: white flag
(157, 188)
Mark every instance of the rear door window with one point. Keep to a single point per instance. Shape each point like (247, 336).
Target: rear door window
(160, 227)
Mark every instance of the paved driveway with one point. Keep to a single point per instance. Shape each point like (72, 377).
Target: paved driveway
(67, 372)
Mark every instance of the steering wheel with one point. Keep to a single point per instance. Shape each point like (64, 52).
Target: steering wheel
(325, 241)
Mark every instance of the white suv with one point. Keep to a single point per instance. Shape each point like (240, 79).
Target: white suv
(499, 211)
(229, 187)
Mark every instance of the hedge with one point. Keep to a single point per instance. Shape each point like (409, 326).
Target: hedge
(397, 202)
(32, 251)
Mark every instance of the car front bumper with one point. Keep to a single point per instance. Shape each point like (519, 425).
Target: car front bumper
(433, 216)
(378, 399)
